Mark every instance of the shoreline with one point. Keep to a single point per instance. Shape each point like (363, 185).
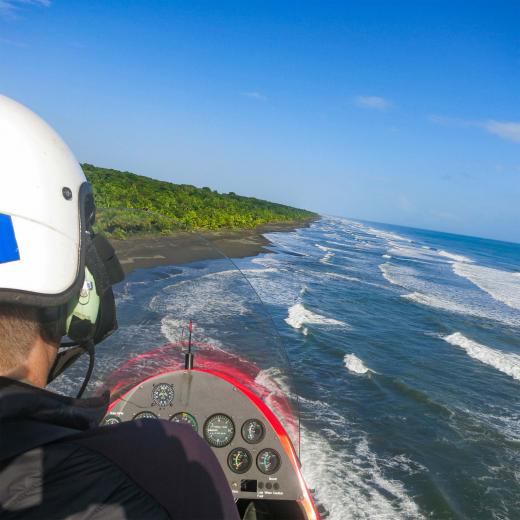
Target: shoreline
(185, 247)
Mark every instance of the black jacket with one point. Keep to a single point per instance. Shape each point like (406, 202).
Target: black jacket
(56, 463)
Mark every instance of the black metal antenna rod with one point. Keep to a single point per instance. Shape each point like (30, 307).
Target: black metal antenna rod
(188, 357)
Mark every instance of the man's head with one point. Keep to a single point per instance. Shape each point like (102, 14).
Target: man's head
(55, 273)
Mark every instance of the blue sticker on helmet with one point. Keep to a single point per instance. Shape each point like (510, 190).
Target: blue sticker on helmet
(8, 245)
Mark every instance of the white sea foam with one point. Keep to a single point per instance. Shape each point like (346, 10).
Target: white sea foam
(503, 286)
(328, 249)
(394, 276)
(506, 423)
(340, 276)
(411, 252)
(386, 235)
(507, 363)
(454, 257)
(327, 257)
(355, 365)
(266, 261)
(451, 298)
(355, 486)
(334, 243)
(299, 315)
(388, 257)
(173, 330)
(208, 299)
(440, 303)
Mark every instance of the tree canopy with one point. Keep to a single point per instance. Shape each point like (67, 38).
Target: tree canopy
(196, 208)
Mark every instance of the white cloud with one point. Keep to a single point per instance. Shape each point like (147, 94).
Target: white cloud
(255, 95)
(504, 129)
(374, 102)
(508, 130)
(9, 7)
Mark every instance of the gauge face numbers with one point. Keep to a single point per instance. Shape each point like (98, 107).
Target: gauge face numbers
(219, 430)
(253, 431)
(268, 461)
(185, 418)
(239, 460)
(145, 415)
(111, 419)
(162, 395)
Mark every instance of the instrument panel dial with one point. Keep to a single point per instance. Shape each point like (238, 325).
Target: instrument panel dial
(111, 419)
(268, 461)
(145, 415)
(253, 431)
(185, 418)
(219, 430)
(239, 460)
(163, 394)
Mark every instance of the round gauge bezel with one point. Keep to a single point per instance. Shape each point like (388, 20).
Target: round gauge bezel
(138, 416)
(249, 456)
(208, 438)
(111, 417)
(261, 438)
(194, 424)
(278, 466)
(156, 401)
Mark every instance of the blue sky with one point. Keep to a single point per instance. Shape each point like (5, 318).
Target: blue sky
(398, 112)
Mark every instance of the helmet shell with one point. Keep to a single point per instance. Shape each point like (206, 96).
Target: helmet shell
(42, 193)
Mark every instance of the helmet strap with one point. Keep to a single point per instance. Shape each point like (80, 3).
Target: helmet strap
(67, 357)
(89, 348)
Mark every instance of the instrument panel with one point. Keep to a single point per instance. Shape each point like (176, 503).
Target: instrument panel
(246, 445)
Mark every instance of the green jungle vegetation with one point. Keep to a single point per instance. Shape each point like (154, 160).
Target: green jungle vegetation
(166, 207)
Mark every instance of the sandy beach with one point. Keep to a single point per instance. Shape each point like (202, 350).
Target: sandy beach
(184, 247)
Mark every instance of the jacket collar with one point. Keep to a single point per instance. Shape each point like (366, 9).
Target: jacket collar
(31, 417)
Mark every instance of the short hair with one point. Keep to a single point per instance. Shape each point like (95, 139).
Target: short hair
(20, 327)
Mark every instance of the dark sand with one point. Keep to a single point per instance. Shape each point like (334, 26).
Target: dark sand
(184, 247)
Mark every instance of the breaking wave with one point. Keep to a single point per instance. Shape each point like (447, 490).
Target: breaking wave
(503, 286)
(299, 315)
(507, 363)
(447, 297)
(454, 257)
(355, 365)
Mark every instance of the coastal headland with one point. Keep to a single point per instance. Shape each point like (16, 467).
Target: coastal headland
(153, 222)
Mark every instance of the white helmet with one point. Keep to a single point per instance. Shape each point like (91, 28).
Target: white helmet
(43, 198)
(50, 256)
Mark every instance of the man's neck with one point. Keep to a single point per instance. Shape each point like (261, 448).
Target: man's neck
(35, 370)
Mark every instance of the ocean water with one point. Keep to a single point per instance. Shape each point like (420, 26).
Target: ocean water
(405, 352)
(405, 347)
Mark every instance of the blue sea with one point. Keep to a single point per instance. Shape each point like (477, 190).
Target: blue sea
(405, 353)
(405, 346)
